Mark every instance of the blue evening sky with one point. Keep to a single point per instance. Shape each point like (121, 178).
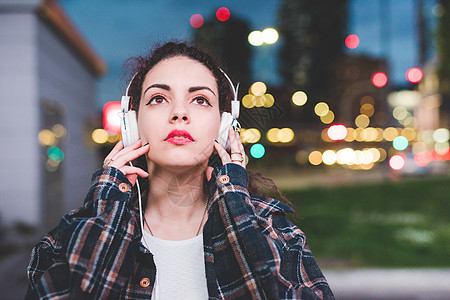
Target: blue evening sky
(119, 29)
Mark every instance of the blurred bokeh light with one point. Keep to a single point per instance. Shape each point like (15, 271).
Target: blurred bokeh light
(414, 75)
(223, 14)
(196, 21)
(379, 79)
(269, 36)
(299, 98)
(352, 41)
(257, 150)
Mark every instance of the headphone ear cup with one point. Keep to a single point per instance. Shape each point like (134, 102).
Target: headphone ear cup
(132, 123)
(129, 128)
(123, 129)
(225, 123)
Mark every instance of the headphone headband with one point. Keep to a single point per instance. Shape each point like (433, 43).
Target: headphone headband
(129, 84)
(235, 102)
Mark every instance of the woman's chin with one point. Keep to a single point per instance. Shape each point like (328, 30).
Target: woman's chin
(180, 163)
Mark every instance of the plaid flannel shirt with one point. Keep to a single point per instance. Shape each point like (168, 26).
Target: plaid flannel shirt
(251, 250)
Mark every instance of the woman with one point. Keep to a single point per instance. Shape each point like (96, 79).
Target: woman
(205, 236)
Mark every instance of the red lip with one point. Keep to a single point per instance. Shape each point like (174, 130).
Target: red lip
(179, 137)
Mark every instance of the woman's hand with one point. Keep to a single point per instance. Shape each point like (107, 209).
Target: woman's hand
(119, 157)
(237, 155)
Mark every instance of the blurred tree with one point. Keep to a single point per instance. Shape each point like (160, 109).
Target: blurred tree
(313, 34)
(228, 41)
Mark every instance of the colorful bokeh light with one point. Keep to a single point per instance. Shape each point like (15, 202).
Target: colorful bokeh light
(270, 36)
(299, 98)
(328, 118)
(362, 121)
(223, 14)
(397, 162)
(258, 88)
(315, 158)
(47, 137)
(255, 38)
(321, 109)
(283, 135)
(196, 21)
(337, 132)
(379, 79)
(56, 154)
(100, 136)
(250, 135)
(367, 109)
(400, 143)
(257, 151)
(329, 157)
(422, 159)
(414, 75)
(352, 41)
(111, 117)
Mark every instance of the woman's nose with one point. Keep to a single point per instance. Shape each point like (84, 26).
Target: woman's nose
(175, 117)
(179, 113)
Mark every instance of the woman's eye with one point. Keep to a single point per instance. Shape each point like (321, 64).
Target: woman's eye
(156, 100)
(202, 101)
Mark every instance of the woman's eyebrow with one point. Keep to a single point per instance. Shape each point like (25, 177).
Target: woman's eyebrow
(198, 88)
(158, 85)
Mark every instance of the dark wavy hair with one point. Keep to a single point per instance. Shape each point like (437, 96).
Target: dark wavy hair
(141, 65)
(138, 67)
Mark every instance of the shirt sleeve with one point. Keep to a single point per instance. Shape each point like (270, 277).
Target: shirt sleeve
(298, 265)
(88, 248)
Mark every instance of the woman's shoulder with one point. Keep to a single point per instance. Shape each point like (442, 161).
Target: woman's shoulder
(272, 214)
(265, 206)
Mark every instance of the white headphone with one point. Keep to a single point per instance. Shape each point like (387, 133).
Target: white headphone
(129, 129)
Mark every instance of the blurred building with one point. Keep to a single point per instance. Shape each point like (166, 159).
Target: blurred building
(229, 42)
(48, 75)
(351, 83)
(312, 33)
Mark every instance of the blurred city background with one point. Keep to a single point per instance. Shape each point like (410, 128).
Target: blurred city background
(345, 105)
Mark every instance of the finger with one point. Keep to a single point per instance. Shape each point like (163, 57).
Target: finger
(130, 155)
(115, 150)
(122, 159)
(232, 137)
(237, 150)
(239, 142)
(223, 154)
(132, 179)
(208, 172)
(234, 140)
(129, 148)
(129, 170)
(241, 147)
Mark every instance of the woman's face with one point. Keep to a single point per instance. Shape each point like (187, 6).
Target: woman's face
(179, 113)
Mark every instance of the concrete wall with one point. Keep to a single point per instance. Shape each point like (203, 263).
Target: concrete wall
(37, 67)
(19, 168)
(65, 80)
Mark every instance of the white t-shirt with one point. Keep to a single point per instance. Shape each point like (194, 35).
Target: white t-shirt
(180, 268)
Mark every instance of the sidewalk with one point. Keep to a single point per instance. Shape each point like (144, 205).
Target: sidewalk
(346, 284)
(390, 283)
(13, 279)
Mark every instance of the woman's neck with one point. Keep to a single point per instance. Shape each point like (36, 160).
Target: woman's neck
(176, 201)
